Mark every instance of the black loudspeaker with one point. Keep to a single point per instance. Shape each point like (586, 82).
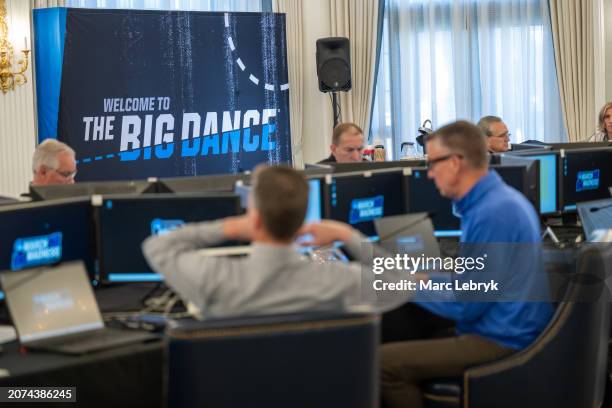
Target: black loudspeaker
(333, 64)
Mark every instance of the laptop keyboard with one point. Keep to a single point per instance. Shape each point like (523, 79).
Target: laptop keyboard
(97, 340)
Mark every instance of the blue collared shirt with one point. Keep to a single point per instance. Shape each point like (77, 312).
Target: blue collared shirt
(494, 214)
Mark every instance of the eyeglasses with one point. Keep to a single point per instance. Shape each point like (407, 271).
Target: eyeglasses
(350, 150)
(66, 174)
(504, 135)
(432, 162)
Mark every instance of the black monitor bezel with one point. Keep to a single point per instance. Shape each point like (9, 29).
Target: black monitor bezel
(99, 203)
(86, 201)
(214, 183)
(46, 192)
(329, 178)
(563, 153)
(360, 167)
(526, 188)
(439, 233)
(544, 152)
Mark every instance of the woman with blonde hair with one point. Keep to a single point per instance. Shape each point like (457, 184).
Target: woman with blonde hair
(604, 127)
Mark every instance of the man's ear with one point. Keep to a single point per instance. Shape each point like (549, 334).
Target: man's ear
(456, 161)
(255, 217)
(333, 147)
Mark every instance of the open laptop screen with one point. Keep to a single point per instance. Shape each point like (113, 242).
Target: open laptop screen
(51, 301)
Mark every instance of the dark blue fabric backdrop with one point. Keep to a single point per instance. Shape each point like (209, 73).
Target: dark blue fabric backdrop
(157, 93)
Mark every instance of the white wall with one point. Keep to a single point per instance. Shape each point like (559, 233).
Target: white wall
(607, 21)
(317, 121)
(17, 122)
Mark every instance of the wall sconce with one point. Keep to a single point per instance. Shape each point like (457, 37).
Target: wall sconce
(8, 78)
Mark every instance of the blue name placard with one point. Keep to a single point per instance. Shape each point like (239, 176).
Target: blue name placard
(366, 209)
(38, 250)
(587, 180)
(161, 227)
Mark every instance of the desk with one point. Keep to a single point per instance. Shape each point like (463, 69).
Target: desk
(129, 376)
(121, 377)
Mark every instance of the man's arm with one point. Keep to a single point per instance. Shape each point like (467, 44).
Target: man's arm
(326, 232)
(175, 256)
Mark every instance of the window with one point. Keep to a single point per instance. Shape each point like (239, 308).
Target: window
(445, 60)
(191, 5)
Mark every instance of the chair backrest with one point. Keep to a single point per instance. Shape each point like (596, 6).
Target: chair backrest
(310, 360)
(566, 366)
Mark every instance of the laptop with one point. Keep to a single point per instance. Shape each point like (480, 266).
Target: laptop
(410, 234)
(53, 308)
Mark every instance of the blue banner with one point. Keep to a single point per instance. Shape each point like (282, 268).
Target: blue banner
(50, 27)
(164, 94)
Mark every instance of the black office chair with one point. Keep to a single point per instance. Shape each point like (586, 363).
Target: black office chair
(565, 367)
(309, 360)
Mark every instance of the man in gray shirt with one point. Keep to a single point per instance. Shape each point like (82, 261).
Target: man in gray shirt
(274, 278)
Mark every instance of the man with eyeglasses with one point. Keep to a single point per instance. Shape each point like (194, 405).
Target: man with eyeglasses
(53, 163)
(496, 131)
(347, 144)
(488, 327)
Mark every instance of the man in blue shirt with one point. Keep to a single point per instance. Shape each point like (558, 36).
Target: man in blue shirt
(497, 219)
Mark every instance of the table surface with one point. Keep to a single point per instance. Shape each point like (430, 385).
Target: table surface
(129, 375)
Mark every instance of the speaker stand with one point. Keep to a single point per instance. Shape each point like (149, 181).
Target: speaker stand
(335, 108)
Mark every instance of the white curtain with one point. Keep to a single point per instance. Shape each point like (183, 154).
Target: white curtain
(294, 34)
(357, 20)
(192, 5)
(47, 3)
(463, 59)
(572, 23)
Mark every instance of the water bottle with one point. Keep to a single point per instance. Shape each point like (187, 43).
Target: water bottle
(379, 150)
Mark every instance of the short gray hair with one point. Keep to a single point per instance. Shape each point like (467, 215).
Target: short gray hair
(46, 154)
(485, 124)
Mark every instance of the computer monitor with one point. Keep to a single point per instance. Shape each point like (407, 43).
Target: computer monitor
(423, 196)
(58, 191)
(315, 211)
(370, 166)
(123, 223)
(549, 178)
(586, 175)
(523, 175)
(316, 207)
(360, 198)
(222, 183)
(45, 233)
(529, 146)
(578, 145)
